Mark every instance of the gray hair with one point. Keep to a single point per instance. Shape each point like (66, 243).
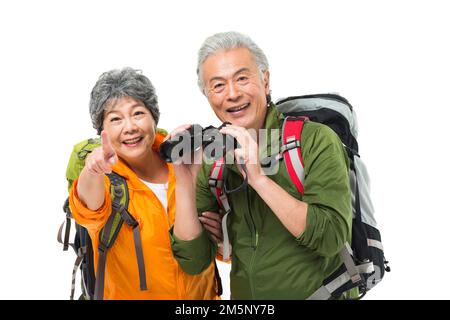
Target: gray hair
(119, 83)
(226, 41)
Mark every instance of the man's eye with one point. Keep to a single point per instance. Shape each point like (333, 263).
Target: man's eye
(138, 113)
(218, 86)
(242, 79)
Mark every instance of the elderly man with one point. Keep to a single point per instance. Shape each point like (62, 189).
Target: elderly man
(284, 244)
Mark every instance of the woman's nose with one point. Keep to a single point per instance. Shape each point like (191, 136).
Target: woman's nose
(130, 124)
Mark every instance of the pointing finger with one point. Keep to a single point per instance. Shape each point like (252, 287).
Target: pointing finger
(108, 150)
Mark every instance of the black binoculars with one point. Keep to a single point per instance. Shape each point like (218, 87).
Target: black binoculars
(215, 144)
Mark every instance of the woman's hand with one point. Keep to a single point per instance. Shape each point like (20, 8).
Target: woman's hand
(187, 225)
(186, 168)
(90, 186)
(101, 159)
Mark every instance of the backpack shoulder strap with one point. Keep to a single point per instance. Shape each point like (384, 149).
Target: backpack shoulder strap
(216, 184)
(120, 199)
(290, 150)
(122, 209)
(108, 235)
(67, 225)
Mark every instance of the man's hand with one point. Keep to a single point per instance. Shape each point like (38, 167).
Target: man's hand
(101, 159)
(213, 223)
(247, 153)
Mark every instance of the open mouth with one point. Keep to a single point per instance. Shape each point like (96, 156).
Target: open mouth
(132, 142)
(239, 108)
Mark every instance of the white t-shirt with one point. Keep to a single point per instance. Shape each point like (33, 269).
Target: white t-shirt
(160, 190)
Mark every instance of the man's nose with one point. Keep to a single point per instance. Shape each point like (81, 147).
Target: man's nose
(234, 91)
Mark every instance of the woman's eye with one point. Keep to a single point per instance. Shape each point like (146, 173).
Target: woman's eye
(115, 119)
(138, 113)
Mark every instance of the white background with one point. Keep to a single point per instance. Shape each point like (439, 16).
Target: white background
(389, 58)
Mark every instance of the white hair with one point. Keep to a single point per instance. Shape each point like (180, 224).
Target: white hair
(226, 41)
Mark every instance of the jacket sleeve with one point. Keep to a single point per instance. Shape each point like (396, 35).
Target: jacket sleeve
(91, 220)
(195, 256)
(327, 192)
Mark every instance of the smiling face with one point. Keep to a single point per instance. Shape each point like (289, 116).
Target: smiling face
(130, 128)
(235, 89)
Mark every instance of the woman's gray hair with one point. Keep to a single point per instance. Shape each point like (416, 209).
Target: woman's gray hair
(226, 41)
(119, 83)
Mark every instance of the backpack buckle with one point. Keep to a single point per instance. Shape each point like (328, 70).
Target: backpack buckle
(133, 224)
(102, 247)
(128, 218)
(291, 143)
(215, 183)
(296, 118)
(66, 209)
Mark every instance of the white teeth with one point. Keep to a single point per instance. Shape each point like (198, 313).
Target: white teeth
(132, 140)
(238, 108)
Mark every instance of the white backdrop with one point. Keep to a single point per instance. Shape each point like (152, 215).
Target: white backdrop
(389, 58)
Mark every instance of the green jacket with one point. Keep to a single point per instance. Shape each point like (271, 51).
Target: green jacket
(268, 262)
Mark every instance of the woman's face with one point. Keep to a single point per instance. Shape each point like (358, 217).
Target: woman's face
(130, 127)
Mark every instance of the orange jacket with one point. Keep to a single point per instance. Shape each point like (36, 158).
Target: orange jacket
(165, 278)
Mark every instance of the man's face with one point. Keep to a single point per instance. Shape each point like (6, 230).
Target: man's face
(234, 87)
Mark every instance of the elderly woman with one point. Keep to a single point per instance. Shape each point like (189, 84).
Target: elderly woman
(124, 110)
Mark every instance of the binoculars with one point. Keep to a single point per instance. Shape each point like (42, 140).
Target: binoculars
(215, 144)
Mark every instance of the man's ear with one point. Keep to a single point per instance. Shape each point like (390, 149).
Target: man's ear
(267, 82)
